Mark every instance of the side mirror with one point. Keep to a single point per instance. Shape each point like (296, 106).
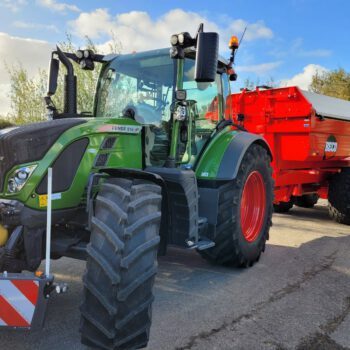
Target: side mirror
(53, 76)
(206, 57)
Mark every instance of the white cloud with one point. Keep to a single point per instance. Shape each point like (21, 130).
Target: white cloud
(260, 69)
(32, 54)
(31, 25)
(58, 6)
(297, 48)
(315, 53)
(257, 30)
(13, 5)
(304, 79)
(137, 31)
(92, 24)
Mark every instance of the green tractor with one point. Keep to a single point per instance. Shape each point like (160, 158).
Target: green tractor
(159, 163)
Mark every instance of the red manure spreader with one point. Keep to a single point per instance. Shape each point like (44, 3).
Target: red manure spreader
(309, 136)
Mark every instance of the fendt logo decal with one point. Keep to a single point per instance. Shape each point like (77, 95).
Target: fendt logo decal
(124, 129)
(331, 147)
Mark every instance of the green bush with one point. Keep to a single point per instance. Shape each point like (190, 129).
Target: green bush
(5, 124)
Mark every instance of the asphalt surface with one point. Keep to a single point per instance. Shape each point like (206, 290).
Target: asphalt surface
(296, 297)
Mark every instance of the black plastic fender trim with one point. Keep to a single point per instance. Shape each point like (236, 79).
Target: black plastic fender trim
(235, 152)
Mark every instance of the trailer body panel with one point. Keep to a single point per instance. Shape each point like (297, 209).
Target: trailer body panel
(309, 135)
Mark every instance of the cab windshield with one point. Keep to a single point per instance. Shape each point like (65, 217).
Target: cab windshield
(145, 82)
(142, 81)
(141, 86)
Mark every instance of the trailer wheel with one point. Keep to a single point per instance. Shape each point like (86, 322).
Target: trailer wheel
(245, 211)
(306, 200)
(339, 197)
(121, 265)
(283, 207)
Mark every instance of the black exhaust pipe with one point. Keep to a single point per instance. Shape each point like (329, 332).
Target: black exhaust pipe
(70, 85)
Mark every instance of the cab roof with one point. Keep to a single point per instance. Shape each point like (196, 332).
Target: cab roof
(190, 52)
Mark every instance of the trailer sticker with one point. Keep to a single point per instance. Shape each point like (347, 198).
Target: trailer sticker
(43, 199)
(18, 300)
(124, 129)
(331, 147)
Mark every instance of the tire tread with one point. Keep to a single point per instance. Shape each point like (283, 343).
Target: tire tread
(125, 254)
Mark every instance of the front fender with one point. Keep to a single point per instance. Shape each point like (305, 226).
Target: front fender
(223, 156)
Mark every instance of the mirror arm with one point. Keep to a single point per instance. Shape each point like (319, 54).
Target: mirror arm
(64, 59)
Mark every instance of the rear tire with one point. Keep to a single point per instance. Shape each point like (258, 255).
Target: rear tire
(339, 197)
(121, 265)
(233, 245)
(306, 200)
(283, 207)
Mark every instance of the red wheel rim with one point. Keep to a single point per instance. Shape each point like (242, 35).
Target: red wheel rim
(253, 206)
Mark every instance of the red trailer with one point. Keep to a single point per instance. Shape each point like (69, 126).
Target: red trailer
(309, 135)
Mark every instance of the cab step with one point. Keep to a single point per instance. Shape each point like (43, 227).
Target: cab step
(203, 241)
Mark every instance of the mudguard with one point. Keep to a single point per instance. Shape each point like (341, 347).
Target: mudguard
(223, 157)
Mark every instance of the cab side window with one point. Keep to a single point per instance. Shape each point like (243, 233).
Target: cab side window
(203, 103)
(206, 97)
(227, 101)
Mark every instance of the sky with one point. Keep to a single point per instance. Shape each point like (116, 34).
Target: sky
(286, 41)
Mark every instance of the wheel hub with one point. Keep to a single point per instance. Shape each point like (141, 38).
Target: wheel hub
(253, 206)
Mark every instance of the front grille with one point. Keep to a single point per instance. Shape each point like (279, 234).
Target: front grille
(30, 143)
(108, 143)
(65, 167)
(101, 159)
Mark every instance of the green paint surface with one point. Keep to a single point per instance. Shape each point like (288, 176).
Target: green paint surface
(209, 163)
(126, 153)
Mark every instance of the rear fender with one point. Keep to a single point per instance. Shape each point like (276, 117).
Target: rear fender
(224, 155)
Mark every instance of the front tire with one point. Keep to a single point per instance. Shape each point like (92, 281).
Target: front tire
(339, 197)
(245, 211)
(121, 265)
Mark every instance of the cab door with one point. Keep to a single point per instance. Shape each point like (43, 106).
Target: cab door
(207, 106)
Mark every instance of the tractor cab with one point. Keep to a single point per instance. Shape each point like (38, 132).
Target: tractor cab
(142, 87)
(178, 96)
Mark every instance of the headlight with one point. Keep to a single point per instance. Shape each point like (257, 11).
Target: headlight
(19, 178)
(79, 54)
(174, 40)
(181, 38)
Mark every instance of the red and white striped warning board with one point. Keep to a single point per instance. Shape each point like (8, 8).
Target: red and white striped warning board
(18, 299)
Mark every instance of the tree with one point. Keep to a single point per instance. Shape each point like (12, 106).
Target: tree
(334, 83)
(251, 85)
(86, 80)
(26, 94)
(5, 123)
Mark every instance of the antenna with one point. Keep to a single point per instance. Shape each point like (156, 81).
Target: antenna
(240, 42)
(242, 37)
